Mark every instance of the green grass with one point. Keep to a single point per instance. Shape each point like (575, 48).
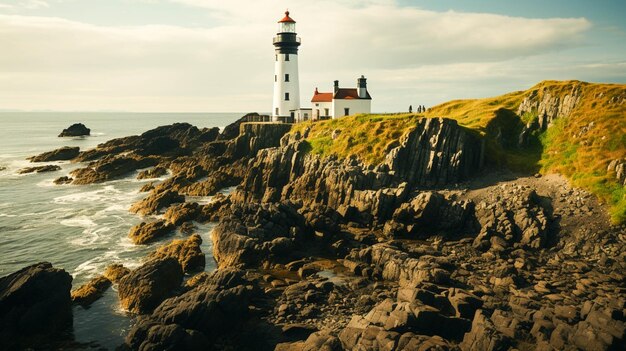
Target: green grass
(367, 137)
(563, 148)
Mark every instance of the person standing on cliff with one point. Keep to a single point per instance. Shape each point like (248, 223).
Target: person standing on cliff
(410, 108)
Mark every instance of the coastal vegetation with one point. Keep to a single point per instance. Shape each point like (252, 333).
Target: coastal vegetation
(584, 132)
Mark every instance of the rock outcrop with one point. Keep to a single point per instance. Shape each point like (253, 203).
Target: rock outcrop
(144, 288)
(115, 272)
(39, 169)
(61, 154)
(76, 129)
(206, 317)
(145, 233)
(35, 307)
(187, 252)
(254, 233)
(91, 291)
(156, 201)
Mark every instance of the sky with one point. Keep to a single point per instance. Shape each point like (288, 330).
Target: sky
(217, 55)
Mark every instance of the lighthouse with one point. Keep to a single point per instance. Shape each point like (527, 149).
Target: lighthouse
(286, 83)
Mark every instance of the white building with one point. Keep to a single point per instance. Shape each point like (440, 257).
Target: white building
(286, 83)
(342, 101)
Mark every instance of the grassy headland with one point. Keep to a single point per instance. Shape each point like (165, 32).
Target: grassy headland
(579, 146)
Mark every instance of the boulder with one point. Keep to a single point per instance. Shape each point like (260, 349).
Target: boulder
(179, 213)
(151, 173)
(144, 288)
(215, 309)
(186, 251)
(91, 291)
(145, 233)
(61, 154)
(39, 169)
(63, 180)
(484, 336)
(115, 272)
(156, 201)
(76, 129)
(35, 306)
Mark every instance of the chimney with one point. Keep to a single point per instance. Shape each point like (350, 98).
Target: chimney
(316, 92)
(336, 86)
(361, 85)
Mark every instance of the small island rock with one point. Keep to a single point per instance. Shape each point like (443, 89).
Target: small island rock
(76, 129)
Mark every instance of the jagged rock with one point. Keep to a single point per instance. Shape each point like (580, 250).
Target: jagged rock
(213, 309)
(156, 201)
(111, 167)
(396, 265)
(618, 168)
(187, 252)
(155, 172)
(115, 272)
(484, 336)
(76, 129)
(180, 213)
(145, 233)
(63, 180)
(144, 288)
(322, 341)
(254, 233)
(61, 154)
(429, 212)
(603, 327)
(35, 306)
(438, 151)
(91, 291)
(548, 106)
(39, 169)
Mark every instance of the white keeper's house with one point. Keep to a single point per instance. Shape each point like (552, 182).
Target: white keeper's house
(342, 101)
(286, 103)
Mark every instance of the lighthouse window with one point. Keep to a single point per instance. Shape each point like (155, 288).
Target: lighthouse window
(275, 78)
(286, 96)
(276, 57)
(286, 57)
(286, 77)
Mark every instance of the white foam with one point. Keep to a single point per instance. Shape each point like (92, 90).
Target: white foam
(81, 221)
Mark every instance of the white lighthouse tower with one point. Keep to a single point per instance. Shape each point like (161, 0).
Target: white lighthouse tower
(286, 82)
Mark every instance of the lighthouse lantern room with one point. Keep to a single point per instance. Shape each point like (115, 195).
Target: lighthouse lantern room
(286, 82)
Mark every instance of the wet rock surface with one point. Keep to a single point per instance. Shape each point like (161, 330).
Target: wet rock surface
(39, 169)
(144, 288)
(91, 291)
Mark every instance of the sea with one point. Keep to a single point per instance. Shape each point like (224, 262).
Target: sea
(80, 228)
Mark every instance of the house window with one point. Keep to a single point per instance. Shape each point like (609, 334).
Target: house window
(276, 112)
(286, 57)
(286, 96)
(286, 77)
(326, 112)
(317, 104)
(346, 111)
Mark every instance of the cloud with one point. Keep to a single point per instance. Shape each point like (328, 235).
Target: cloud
(228, 66)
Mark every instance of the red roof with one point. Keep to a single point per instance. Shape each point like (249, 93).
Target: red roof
(342, 94)
(322, 97)
(287, 18)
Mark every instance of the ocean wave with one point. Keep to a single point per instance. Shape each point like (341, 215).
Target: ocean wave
(108, 194)
(81, 221)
